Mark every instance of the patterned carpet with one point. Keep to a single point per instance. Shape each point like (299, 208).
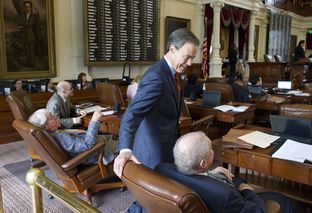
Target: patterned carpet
(14, 163)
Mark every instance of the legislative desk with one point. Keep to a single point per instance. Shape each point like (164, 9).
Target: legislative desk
(110, 124)
(259, 168)
(300, 73)
(8, 134)
(223, 121)
(266, 106)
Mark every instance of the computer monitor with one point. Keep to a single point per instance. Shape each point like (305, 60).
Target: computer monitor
(284, 85)
(298, 127)
(211, 98)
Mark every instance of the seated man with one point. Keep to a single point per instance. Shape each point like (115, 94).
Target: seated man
(255, 89)
(73, 142)
(193, 156)
(61, 107)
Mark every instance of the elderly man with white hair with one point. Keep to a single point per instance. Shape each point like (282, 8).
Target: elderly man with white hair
(61, 107)
(193, 157)
(72, 141)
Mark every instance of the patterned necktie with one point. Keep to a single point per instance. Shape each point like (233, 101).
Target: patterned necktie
(178, 82)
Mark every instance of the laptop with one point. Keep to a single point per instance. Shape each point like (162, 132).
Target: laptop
(211, 98)
(298, 129)
(284, 86)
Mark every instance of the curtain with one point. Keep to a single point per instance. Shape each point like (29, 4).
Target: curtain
(279, 35)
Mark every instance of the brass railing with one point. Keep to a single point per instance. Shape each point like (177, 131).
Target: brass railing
(37, 181)
(1, 201)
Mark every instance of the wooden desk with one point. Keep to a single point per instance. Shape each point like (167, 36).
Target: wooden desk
(264, 108)
(224, 121)
(271, 173)
(110, 124)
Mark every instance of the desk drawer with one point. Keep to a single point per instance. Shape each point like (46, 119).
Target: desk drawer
(226, 156)
(255, 162)
(290, 170)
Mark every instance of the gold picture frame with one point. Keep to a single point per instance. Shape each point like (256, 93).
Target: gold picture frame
(27, 43)
(174, 23)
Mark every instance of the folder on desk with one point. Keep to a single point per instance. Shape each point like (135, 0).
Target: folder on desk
(231, 139)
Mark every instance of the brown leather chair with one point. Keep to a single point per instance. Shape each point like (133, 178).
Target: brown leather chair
(297, 110)
(77, 178)
(22, 107)
(157, 193)
(109, 94)
(201, 124)
(224, 88)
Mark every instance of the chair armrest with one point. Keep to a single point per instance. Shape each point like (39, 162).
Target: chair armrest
(72, 163)
(206, 119)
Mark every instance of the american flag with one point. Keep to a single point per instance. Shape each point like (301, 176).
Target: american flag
(204, 67)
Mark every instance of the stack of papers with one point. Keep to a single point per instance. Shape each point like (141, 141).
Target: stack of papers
(259, 139)
(295, 151)
(94, 108)
(225, 108)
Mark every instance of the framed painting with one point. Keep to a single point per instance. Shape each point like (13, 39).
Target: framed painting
(173, 23)
(27, 45)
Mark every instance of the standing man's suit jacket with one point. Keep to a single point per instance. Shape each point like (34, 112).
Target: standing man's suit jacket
(217, 195)
(150, 125)
(65, 111)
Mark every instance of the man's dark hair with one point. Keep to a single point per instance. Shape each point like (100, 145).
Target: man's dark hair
(254, 79)
(301, 42)
(181, 36)
(28, 2)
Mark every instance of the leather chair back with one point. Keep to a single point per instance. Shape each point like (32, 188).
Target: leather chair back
(44, 144)
(268, 58)
(109, 94)
(278, 58)
(224, 88)
(158, 193)
(20, 104)
(297, 110)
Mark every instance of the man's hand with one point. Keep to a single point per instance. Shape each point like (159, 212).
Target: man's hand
(78, 120)
(121, 160)
(244, 186)
(223, 171)
(96, 116)
(82, 113)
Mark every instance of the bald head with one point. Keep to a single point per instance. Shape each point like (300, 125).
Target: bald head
(65, 89)
(189, 152)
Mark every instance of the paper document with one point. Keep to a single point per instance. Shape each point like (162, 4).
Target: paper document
(259, 139)
(94, 108)
(225, 108)
(295, 151)
(294, 92)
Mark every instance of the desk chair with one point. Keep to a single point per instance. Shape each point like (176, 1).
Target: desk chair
(200, 124)
(22, 107)
(268, 58)
(77, 178)
(224, 88)
(109, 94)
(158, 193)
(278, 58)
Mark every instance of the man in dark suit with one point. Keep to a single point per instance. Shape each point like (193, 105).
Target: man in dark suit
(150, 125)
(193, 156)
